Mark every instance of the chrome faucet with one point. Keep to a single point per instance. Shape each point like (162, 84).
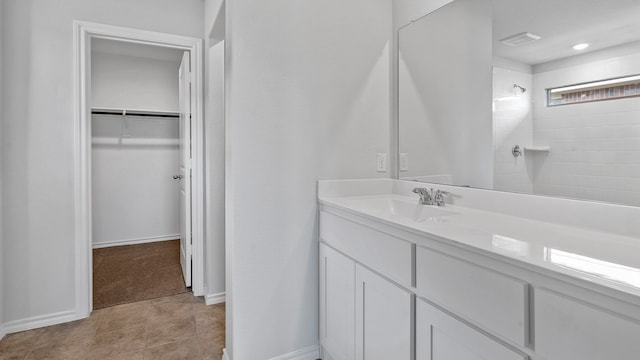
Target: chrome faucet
(429, 197)
(426, 196)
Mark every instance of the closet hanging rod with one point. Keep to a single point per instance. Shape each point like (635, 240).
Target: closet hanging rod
(162, 114)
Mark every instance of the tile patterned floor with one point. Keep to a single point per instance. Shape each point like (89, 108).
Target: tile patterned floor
(170, 328)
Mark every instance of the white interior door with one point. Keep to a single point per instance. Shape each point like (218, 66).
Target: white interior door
(185, 167)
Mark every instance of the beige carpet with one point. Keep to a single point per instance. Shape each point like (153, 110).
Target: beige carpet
(124, 274)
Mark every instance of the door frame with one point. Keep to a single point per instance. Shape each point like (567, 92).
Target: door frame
(83, 32)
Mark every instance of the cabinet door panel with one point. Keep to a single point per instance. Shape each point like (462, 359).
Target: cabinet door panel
(337, 303)
(383, 318)
(570, 329)
(442, 337)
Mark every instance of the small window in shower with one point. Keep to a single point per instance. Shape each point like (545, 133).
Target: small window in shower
(610, 89)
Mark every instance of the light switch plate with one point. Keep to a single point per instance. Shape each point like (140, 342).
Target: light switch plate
(381, 165)
(404, 161)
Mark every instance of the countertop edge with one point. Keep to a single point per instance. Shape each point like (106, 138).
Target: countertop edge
(594, 283)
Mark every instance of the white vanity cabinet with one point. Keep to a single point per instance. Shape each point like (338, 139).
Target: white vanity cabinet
(388, 291)
(440, 336)
(491, 300)
(337, 304)
(383, 318)
(568, 328)
(362, 315)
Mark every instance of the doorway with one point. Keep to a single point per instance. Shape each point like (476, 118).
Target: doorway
(188, 174)
(140, 186)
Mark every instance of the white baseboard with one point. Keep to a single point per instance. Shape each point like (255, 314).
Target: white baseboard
(324, 354)
(310, 353)
(212, 299)
(2, 332)
(135, 241)
(39, 321)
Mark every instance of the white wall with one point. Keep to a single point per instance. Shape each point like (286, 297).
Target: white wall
(215, 154)
(594, 146)
(214, 20)
(1, 188)
(404, 11)
(512, 125)
(214, 16)
(131, 82)
(444, 108)
(134, 197)
(38, 138)
(307, 87)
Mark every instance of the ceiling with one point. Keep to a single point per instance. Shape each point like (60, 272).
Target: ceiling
(562, 24)
(136, 50)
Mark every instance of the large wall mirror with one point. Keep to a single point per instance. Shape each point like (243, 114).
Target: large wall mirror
(495, 94)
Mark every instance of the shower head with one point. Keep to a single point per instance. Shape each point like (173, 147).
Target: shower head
(522, 89)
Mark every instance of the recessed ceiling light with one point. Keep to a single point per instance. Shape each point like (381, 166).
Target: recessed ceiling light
(580, 46)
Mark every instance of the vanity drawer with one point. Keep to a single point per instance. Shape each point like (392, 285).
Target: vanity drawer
(388, 255)
(568, 328)
(484, 297)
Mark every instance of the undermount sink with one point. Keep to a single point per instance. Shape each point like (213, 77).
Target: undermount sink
(400, 209)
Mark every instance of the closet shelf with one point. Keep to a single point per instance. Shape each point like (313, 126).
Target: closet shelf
(135, 112)
(134, 141)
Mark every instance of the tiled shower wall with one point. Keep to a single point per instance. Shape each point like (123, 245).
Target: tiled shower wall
(512, 125)
(595, 147)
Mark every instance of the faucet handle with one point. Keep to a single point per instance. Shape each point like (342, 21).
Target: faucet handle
(440, 196)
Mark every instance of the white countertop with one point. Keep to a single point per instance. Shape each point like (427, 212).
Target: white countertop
(610, 260)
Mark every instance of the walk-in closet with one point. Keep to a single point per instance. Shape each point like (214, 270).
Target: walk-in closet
(136, 182)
